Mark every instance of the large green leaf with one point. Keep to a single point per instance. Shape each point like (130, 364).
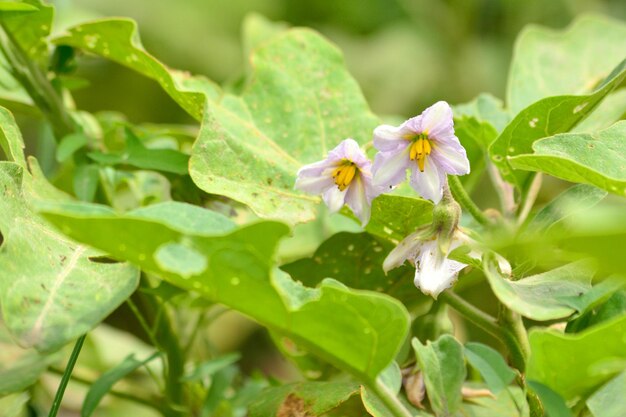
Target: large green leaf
(593, 158)
(542, 296)
(52, 290)
(302, 398)
(236, 268)
(546, 117)
(394, 217)
(575, 364)
(299, 103)
(443, 367)
(609, 401)
(118, 41)
(11, 138)
(356, 260)
(573, 61)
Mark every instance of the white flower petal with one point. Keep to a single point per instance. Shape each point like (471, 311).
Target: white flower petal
(451, 157)
(315, 185)
(429, 184)
(435, 273)
(389, 168)
(349, 149)
(388, 138)
(407, 249)
(437, 120)
(334, 198)
(356, 199)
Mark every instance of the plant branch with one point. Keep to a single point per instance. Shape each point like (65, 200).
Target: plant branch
(390, 400)
(459, 194)
(58, 398)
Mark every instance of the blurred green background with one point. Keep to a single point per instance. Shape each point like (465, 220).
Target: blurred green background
(406, 54)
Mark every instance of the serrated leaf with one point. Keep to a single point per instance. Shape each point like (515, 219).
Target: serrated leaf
(593, 158)
(118, 41)
(491, 365)
(302, 398)
(103, 385)
(443, 367)
(356, 260)
(575, 364)
(589, 49)
(609, 400)
(541, 297)
(240, 274)
(544, 118)
(299, 104)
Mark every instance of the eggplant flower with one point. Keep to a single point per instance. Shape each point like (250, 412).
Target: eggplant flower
(344, 177)
(434, 272)
(427, 146)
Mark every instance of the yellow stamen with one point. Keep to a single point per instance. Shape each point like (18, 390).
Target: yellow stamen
(420, 149)
(344, 174)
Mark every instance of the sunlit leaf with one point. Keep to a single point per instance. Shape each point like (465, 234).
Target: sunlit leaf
(609, 401)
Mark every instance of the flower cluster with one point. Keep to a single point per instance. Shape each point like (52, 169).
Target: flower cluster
(424, 145)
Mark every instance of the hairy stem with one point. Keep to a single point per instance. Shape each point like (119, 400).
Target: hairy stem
(465, 201)
(67, 373)
(390, 400)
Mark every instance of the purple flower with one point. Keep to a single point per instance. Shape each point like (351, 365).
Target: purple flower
(424, 144)
(344, 177)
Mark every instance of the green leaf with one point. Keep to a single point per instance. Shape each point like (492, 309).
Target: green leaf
(257, 29)
(240, 274)
(588, 49)
(51, 289)
(544, 118)
(553, 404)
(394, 217)
(540, 297)
(592, 158)
(30, 30)
(575, 364)
(612, 109)
(604, 302)
(103, 385)
(138, 155)
(609, 401)
(69, 145)
(299, 104)
(210, 367)
(487, 110)
(215, 395)
(302, 398)
(118, 41)
(491, 366)
(16, 6)
(11, 138)
(356, 260)
(85, 181)
(14, 405)
(443, 367)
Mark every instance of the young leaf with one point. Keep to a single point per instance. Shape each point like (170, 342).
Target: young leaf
(553, 403)
(589, 48)
(609, 400)
(303, 398)
(575, 364)
(103, 385)
(444, 371)
(540, 297)
(491, 366)
(299, 104)
(210, 367)
(240, 274)
(591, 158)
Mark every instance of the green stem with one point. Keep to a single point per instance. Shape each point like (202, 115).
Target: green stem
(148, 402)
(508, 336)
(37, 85)
(459, 194)
(390, 400)
(56, 404)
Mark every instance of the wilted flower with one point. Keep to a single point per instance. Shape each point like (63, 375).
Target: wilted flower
(426, 145)
(344, 177)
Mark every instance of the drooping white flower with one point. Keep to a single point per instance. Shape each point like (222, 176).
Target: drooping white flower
(434, 272)
(344, 177)
(426, 145)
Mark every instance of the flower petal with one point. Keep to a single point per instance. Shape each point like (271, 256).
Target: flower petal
(407, 249)
(429, 184)
(334, 198)
(435, 273)
(348, 149)
(356, 199)
(437, 120)
(389, 168)
(315, 185)
(388, 138)
(451, 157)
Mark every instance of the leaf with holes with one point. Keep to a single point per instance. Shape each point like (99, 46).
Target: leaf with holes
(593, 158)
(299, 103)
(237, 269)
